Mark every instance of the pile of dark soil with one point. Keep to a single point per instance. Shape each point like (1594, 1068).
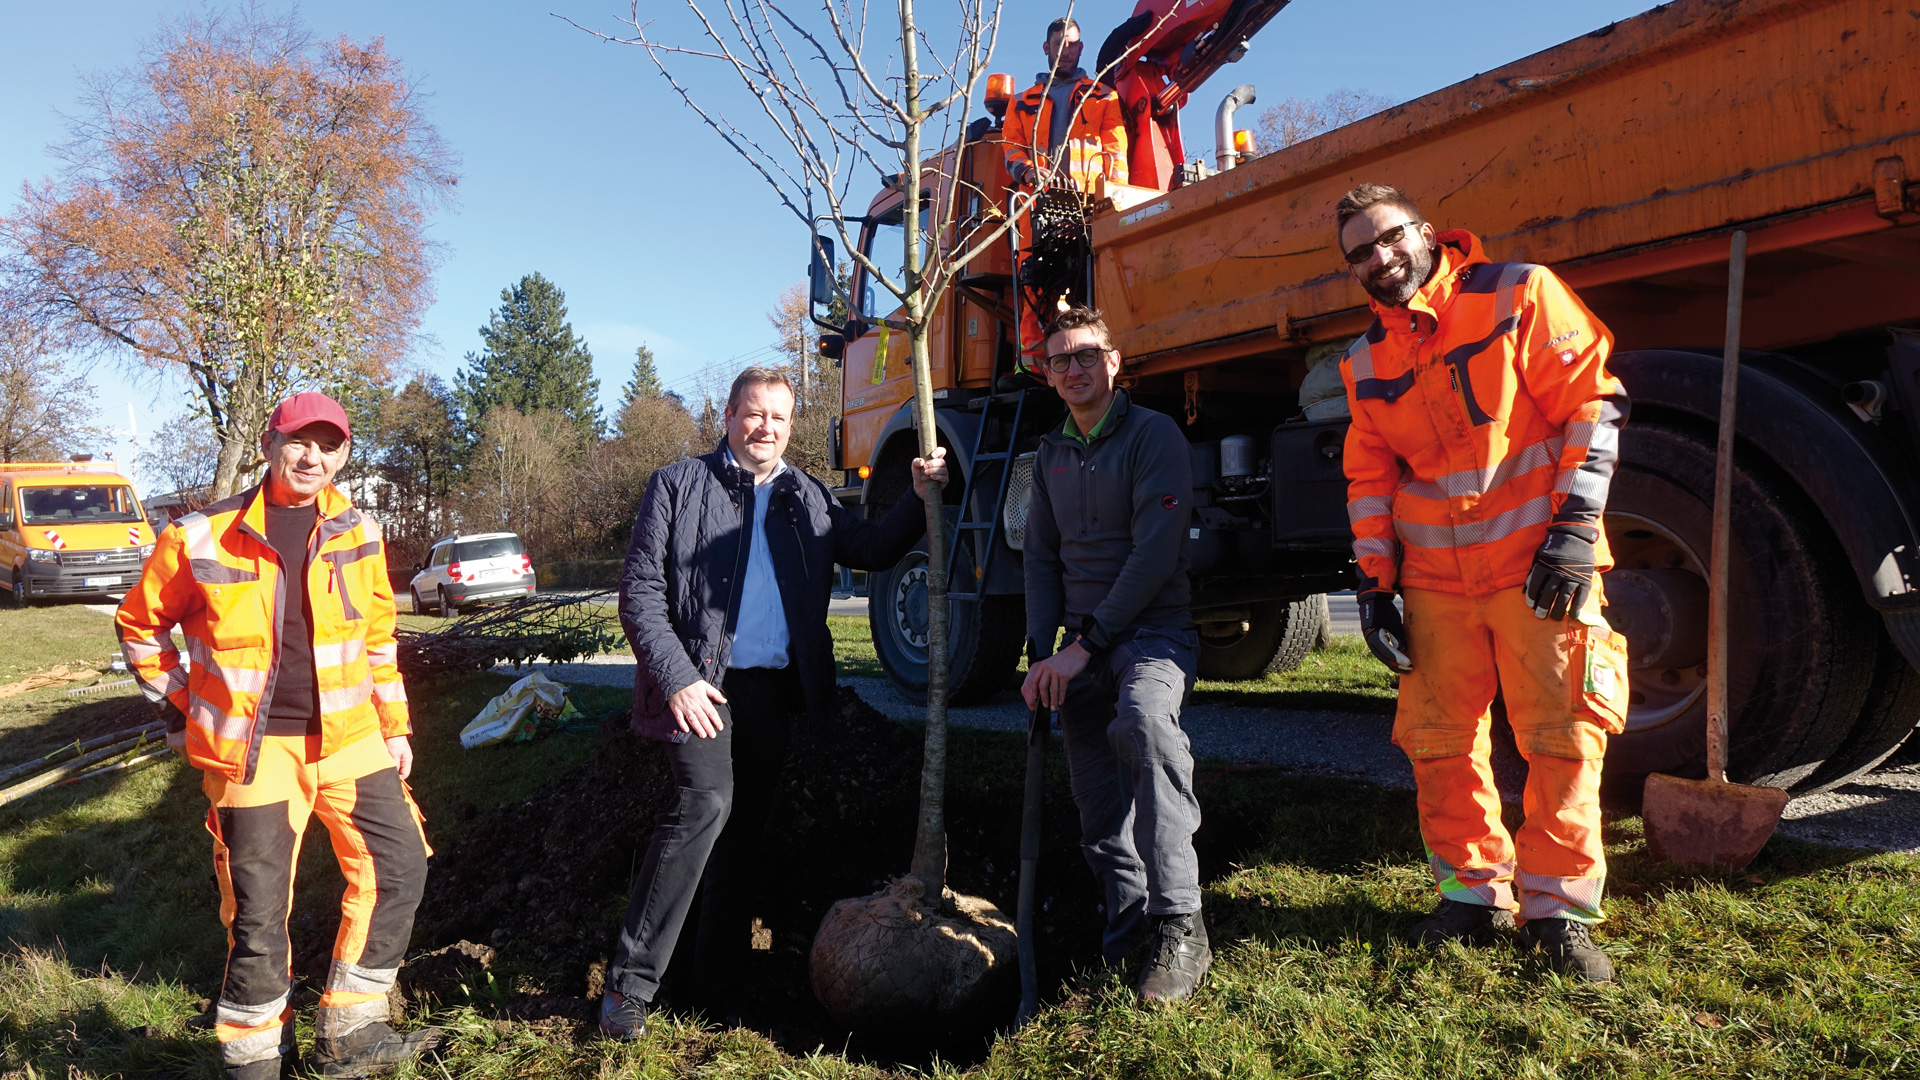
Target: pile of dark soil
(544, 881)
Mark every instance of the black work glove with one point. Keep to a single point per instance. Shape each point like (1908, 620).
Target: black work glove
(1562, 573)
(1386, 633)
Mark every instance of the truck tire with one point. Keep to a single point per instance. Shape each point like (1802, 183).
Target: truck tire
(1277, 637)
(16, 591)
(1804, 641)
(1893, 707)
(985, 638)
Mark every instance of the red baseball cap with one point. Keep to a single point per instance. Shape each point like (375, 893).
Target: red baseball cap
(311, 407)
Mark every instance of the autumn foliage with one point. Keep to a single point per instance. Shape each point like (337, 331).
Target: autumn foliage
(249, 205)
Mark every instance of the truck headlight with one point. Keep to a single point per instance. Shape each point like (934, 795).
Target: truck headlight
(42, 555)
(146, 550)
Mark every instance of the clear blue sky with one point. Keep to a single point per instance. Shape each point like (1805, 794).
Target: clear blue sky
(576, 162)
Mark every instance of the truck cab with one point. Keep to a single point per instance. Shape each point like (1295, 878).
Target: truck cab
(69, 529)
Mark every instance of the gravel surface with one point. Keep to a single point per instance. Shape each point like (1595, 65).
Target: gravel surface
(1879, 811)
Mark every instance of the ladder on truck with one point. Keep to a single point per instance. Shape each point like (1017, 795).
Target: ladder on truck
(987, 455)
(990, 453)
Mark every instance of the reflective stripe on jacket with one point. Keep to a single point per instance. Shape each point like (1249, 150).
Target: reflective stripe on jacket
(1482, 413)
(215, 578)
(1096, 140)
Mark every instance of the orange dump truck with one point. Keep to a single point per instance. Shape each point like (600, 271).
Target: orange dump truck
(1624, 160)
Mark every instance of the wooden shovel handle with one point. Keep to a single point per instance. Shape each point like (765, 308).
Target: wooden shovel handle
(1718, 570)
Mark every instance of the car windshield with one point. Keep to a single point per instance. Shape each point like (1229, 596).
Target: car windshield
(491, 548)
(78, 504)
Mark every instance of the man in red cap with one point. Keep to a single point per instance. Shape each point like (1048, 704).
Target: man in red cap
(289, 702)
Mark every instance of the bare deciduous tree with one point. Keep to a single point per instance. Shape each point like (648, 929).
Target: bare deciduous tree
(46, 412)
(1297, 120)
(248, 208)
(179, 457)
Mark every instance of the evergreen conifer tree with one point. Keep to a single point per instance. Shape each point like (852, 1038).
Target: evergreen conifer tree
(531, 360)
(646, 379)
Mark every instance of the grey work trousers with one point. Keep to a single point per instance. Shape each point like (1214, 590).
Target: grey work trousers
(1131, 770)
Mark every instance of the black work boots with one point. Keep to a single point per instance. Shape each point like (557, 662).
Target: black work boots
(1569, 948)
(622, 1016)
(1179, 959)
(1453, 920)
(371, 1048)
(1567, 945)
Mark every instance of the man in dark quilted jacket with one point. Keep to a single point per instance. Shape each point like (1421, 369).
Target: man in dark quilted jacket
(724, 600)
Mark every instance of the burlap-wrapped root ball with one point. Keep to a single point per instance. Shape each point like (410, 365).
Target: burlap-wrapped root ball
(893, 957)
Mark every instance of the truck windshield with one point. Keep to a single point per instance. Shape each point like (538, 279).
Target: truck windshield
(886, 246)
(78, 504)
(486, 549)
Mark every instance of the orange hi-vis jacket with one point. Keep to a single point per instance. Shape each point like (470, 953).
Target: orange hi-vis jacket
(1096, 139)
(215, 578)
(1482, 413)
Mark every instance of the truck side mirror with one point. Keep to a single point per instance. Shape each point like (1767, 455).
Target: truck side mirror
(6, 519)
(833, 346)
(820, 271)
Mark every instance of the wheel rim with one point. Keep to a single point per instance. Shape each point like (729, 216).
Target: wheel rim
(1656, 595)
(907, 605)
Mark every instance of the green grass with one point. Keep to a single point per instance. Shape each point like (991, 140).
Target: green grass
(51, 633)
(1343, 676)
(1804, 965)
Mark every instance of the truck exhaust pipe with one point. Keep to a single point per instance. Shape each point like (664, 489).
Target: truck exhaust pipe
(1224, 155)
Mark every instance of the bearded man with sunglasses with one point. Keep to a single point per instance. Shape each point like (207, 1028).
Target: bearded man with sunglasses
(1106, 557)
(1485, 433)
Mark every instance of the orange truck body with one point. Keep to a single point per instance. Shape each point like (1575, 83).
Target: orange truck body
(1624, 160)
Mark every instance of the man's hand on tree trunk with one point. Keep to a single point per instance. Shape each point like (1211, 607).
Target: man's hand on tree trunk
(929, 468)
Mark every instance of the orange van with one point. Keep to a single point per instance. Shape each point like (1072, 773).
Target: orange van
(69, 529)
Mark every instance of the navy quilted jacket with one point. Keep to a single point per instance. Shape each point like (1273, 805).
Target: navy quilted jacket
(679, 594)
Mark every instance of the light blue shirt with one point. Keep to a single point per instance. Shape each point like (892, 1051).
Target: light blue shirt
(760, 636)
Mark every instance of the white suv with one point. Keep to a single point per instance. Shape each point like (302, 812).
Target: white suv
(471, 567)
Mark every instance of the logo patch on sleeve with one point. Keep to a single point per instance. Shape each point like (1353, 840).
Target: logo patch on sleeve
(1169, 501)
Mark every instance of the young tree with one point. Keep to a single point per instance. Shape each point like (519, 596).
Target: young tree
(826, 105)
(247, 208)
(531, 361)
(45, 412)
(1296, 120)
(181, 456)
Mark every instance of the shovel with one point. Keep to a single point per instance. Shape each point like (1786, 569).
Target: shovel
(1712, 822)
(1037, 727)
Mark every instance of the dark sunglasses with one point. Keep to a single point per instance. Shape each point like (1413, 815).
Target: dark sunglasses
(1386, 239)
(1086, 358)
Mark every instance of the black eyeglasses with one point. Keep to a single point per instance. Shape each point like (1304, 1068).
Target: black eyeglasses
(1386, 239)
(1086, 358)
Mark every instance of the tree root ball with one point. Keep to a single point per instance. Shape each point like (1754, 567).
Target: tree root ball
(892, 957)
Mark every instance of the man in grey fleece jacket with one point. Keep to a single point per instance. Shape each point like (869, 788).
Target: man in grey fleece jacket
(1106, 557)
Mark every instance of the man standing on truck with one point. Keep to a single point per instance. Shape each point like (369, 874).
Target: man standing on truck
(1485, 432)
(1064, 131)
(292, 706)
(1106, 556)
(724, 600)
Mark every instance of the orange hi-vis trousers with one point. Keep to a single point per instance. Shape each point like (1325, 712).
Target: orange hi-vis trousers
(1565, 685)
(257, 829)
